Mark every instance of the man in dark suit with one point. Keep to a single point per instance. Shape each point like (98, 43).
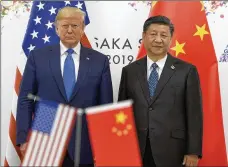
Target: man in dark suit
(66, 73)
(167, 100)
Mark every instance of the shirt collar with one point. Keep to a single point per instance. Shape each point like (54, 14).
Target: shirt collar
(160, 63)
(76, 49)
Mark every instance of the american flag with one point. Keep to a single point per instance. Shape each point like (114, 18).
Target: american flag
(40, 32)
(51, 128)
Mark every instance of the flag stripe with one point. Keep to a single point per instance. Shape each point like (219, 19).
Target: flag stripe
(5, 162)
(42, 149)
(21, 62)
(64, 136)
(32, 146)
(59, 135)
(68, 136)
(13, 152)
(12, 135)
(14, 107)
(35, 149)
(51, 139)
(11, 157)
(85, 42)
(17, 81)
(107, 107)
(29, 149)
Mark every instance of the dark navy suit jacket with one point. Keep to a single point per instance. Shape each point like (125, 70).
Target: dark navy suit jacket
(42, 77)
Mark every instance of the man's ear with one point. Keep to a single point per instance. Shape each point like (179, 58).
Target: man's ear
(170, 42)
(83, 26)
(56, 29)
(57, 32)
(143, 35)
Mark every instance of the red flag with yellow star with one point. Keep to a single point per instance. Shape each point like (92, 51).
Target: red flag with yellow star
(113, 135)
(192, 42)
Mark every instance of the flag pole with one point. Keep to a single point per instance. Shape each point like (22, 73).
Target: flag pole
(78, 138)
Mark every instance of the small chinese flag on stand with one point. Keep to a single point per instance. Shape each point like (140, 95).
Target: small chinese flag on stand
(113, 135)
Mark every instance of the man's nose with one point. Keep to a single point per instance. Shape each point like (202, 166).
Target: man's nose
(158, 38)
(69, 29)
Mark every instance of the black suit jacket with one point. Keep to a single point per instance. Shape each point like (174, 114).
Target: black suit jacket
(173, 117)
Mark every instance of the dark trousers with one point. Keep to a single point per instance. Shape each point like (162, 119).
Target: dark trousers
(148, 160)
(68, 162)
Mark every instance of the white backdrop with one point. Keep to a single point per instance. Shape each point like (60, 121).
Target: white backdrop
(115, 29)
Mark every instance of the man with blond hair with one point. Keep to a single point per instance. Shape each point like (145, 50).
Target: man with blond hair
(68, 73)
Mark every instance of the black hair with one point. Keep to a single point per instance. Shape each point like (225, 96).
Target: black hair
(159, 19)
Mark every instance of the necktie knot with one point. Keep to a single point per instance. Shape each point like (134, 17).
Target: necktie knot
(154, 66)
(70, 51)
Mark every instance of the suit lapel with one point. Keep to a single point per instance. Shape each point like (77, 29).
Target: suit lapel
(83, 69)
(142, 77)
(54, 54)
(166, 74)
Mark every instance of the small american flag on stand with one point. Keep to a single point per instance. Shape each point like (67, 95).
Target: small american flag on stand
(51, 129)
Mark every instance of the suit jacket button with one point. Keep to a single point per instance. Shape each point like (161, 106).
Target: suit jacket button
(150, 109)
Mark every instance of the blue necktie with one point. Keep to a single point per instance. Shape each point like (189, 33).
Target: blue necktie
(153, 79)
(69, 73)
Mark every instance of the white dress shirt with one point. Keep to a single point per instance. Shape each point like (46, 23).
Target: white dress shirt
(75, 56)
(160, 63)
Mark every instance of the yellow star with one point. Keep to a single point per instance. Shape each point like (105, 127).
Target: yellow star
(202, 8)
(201, 31)
(121, 117)
(125, 131)
(129, 126)
(178, 48)
(153, 3)
(114, 129)
(119, 133)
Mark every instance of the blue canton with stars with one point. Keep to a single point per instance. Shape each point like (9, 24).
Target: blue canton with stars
(44, 116)
(40, 30)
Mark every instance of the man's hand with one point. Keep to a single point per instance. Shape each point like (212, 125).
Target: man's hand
(190, 160)
(23, 148)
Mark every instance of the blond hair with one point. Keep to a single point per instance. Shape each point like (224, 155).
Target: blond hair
(69, 11)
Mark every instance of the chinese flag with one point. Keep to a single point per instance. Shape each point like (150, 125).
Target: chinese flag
(113, 135)
(192, 42)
